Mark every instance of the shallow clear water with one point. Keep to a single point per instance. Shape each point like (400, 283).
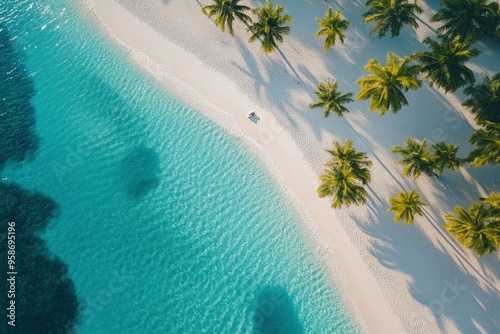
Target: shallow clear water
(166, 223)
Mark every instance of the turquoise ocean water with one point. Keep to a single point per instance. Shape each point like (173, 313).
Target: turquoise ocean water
(165, 223)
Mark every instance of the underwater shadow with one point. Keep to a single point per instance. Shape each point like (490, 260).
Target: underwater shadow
(139, 172)
(17, 115)
(45, 296)
(275, 312)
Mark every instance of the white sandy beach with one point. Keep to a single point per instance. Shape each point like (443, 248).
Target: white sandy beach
(396, 278)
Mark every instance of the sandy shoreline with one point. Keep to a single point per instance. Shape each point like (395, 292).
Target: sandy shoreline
(393, 275)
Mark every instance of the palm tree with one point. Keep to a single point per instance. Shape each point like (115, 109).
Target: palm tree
(487, 140)
(345, 174)
(444, 64)
(492, 27)
(416, 157)
(346, 154)
(344, 185)
(467, 19)
(493, 200)
(330, 98)
(445, 156)
(484, 99)
(476, 228)
(384, 86)
(406, 205)
(332, 26)
(269, 26)
(226, 11)
(391, 15)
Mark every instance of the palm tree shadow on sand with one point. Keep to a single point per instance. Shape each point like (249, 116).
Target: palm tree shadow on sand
(275, 312)
(261, 85)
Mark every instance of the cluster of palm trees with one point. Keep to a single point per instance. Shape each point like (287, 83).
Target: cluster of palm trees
(444, 64)
(270, 22)
(477, 227)
(465, 22)
(419, 159)
(269, 26)
(470, 20)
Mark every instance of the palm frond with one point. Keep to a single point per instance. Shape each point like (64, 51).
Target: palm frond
(484, 99)
(487, 142)
(330, 99)
(475, 228)
(332, 27)
(386, 82)
(406, 205)
(467, 20)
(416, 157)
(444, 64)
(225, 12)
(391, 15)
(269, 26)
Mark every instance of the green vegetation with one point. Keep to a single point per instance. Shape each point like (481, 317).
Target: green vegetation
(391, 15)
(226, 11)
(477, 228)
(345, 175)
(445, 157)
(343, 184)
(445, 63)
(406, 205)
(346, 154)
(467, 20)
(484, 99)
(330, 99)
(487, 142)
(493, 201)
(416, 157)
(387, 82)
(332, 27)
(269, 26)
(419, 159)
